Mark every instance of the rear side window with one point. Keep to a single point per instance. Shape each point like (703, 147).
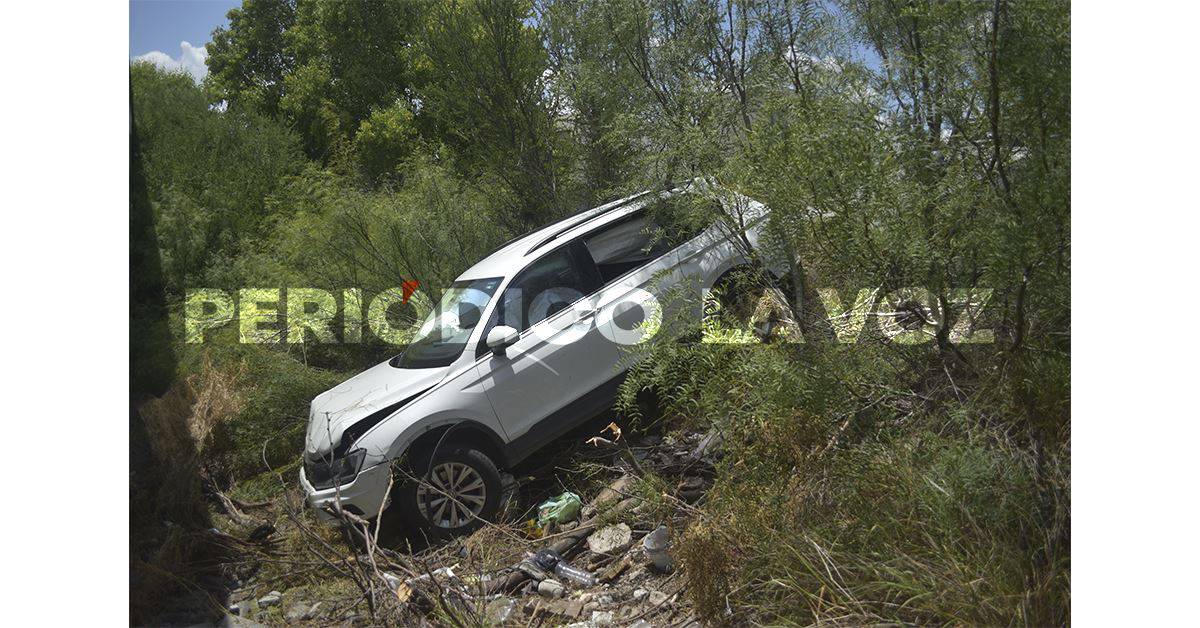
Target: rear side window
(625, 246)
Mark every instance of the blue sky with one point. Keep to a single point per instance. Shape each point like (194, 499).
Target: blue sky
(172, 33)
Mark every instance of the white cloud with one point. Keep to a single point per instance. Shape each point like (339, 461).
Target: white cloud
(191, 60)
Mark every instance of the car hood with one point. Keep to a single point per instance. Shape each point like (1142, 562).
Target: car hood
(335, 410)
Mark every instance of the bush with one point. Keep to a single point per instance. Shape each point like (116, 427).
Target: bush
(846, 495)
(266, 426)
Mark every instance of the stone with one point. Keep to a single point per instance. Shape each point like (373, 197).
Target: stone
(602, 618)
(296, 612)
(690, 488)
(313, 610)
(641, 623)
(551, 588)
(610, 539)
(640, 594)
(270, 599)
(233, 621)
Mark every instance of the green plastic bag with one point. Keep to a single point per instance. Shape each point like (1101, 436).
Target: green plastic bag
(561, 509)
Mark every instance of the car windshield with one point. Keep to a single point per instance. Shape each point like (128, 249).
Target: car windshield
(441, 338)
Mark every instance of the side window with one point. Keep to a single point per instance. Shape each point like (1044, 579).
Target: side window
(624, 246)
(543, 289)
(677, 219)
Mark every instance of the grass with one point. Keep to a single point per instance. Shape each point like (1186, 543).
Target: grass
(857, 486)
(864, 485)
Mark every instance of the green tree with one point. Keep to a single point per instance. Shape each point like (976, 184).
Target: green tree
(248, 60)
(208, 172)
(485, 97)
(322, 66)
(385, 140)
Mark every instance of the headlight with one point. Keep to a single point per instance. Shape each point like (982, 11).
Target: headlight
(325, 473)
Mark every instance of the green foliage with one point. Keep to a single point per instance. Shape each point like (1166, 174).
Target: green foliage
(322, 66)
(385, 140)
(208, 172)
(845, 496)
(486, 97)
(247, 61)
(331, 234)
(366, 144)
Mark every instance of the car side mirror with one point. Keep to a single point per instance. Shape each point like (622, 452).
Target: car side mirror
(500, 338)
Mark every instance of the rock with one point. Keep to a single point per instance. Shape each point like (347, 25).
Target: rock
(312, 611)
(296, 612)
(641, 623)
(610, 539)
(709, 444)
(590, 606)
(608, 495)
(535, 573)
(655, 546)
(690, 488)
(270, 599)
(232, 621)
(640, 594)
(602, 618)
(261, 533)
(550, 588)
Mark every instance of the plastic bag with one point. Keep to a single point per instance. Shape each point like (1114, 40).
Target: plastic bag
(561, 509)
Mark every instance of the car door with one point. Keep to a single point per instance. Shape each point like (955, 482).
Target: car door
(640, 262)
(559, 370)
(638, 272)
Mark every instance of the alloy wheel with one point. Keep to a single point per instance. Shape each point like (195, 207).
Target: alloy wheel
(453, 496)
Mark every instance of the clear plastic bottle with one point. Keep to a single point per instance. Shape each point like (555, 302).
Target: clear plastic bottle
(550, 560)
(570, 572)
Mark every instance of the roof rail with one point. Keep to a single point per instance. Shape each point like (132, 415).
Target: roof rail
(550, 238)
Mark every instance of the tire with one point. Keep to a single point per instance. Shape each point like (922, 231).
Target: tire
(460, 470)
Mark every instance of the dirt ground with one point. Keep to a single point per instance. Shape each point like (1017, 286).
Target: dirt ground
(273, 564)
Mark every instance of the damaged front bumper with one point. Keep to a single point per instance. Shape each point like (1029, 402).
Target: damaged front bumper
(364, 496)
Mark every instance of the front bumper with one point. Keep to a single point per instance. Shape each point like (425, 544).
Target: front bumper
(364, 496)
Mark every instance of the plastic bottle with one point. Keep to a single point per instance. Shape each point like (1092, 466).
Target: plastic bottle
(550, 560)
(570, 572)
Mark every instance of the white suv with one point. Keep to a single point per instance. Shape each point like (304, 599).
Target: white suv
(466, 398)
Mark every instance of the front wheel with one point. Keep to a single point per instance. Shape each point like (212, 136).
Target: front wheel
(454, 494)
